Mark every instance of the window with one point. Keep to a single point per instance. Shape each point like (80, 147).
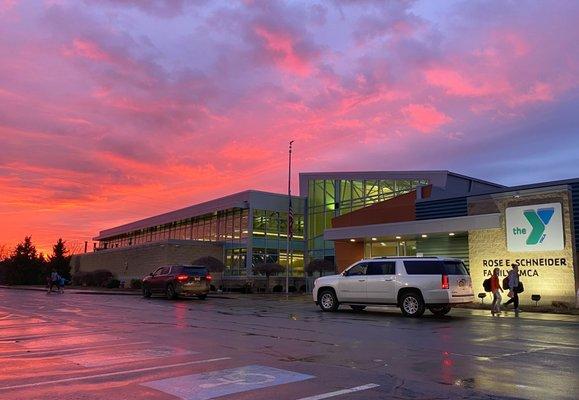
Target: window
(425, 267)
(164, 270)
(191, 271)
(158, 272)
(381, 268)
(358, 269)
(454, 268)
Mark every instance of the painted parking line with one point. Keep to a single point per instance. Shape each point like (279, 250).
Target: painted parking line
(66, 339)
(109, 374)
(59, 352)
(127, 355)
(341, 392)
(208, 385)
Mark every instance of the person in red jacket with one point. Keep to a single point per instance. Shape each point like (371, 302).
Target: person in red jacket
(496, 291)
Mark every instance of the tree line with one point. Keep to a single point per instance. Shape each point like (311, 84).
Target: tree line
(24, 265)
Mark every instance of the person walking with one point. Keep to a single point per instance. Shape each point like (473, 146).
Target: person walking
(54, 281)
(496, 291)
(513, 279)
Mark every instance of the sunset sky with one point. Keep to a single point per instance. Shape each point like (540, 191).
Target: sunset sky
(115, 110)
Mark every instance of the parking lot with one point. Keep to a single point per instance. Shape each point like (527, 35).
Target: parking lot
(76, 346)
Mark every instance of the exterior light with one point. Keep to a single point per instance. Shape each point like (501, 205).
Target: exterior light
(451, 234)
(398, 237)
(382, 244)
(352, 240)
(424, 236)
(374, 239)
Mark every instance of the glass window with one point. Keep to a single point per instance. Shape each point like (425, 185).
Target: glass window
(358, 269)
(423, 267)
(381, 268)
(454, 268)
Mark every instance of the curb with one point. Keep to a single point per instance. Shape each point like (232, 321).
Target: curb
(98, 293)
(73, 291)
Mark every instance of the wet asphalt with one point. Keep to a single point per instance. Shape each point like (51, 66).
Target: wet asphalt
(76, 346)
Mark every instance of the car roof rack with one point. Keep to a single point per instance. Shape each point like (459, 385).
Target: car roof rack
(402, 257)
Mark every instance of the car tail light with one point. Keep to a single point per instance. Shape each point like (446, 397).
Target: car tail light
(445, 284)
(208, 277)
(182, 278)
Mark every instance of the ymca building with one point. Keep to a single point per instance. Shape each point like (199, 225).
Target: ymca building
(345, 216)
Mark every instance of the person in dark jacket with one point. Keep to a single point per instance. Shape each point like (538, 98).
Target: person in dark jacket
(496, 291)
(513, 288)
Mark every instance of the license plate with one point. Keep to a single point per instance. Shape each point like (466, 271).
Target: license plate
(197, 279)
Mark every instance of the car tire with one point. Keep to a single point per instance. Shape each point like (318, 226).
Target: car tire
(328, 301)
(412, 305)
(146, 292)
(440, 311)
(358, 308)
(202, 296)
(170, 292)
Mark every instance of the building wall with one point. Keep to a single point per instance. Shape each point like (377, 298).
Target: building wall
(138, 261)
(553, 283)
(397, 209)
(347, 253)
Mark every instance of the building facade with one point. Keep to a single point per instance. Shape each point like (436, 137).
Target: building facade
(249, 227)
(345, 216)
(533, 226)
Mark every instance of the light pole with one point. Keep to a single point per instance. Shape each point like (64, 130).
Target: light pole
(290, 218)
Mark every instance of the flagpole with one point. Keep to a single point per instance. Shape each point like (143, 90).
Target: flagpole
(289, 218)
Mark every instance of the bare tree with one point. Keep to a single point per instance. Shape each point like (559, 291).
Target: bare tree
(268, 269)
(75, 247)
(319, 265)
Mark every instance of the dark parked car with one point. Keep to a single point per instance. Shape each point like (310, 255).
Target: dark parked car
(178, 280)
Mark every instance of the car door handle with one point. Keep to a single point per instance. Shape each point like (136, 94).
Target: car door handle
(361, 280)
(388, 280)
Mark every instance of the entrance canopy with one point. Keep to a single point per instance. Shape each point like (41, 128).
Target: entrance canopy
(431, 226)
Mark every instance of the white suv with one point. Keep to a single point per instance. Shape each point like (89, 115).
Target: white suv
(411, 283)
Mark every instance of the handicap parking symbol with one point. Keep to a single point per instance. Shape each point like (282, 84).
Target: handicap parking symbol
(209, 385)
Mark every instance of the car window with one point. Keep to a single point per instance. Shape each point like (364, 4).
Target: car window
(358, 269)
(164, 270)
(381, 268)
(157, 271)
(194, 271)
(455, 268)
(423, 267)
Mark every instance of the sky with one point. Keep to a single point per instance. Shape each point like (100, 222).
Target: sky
(115, 110)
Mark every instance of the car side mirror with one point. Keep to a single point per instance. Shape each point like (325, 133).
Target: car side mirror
(151, 274)
(345, 273)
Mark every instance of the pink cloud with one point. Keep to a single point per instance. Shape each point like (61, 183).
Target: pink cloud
(424, 117)
(281, 47)
(116, 110)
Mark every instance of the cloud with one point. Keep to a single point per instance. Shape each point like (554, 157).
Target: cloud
(116, 110)
(424, 117)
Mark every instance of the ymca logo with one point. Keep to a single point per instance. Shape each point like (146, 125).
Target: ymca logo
(538, 228)
(538, 219)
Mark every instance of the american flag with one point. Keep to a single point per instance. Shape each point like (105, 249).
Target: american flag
(290, 220)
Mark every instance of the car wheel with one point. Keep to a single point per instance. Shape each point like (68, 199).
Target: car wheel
(146, 292)
(358, 308)
(202, 296)
(412, 305)
(439, 311)
(328, 300)
(170, 292)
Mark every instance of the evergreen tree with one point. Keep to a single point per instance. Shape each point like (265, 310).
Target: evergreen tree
(60, 260)
(25, 266)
